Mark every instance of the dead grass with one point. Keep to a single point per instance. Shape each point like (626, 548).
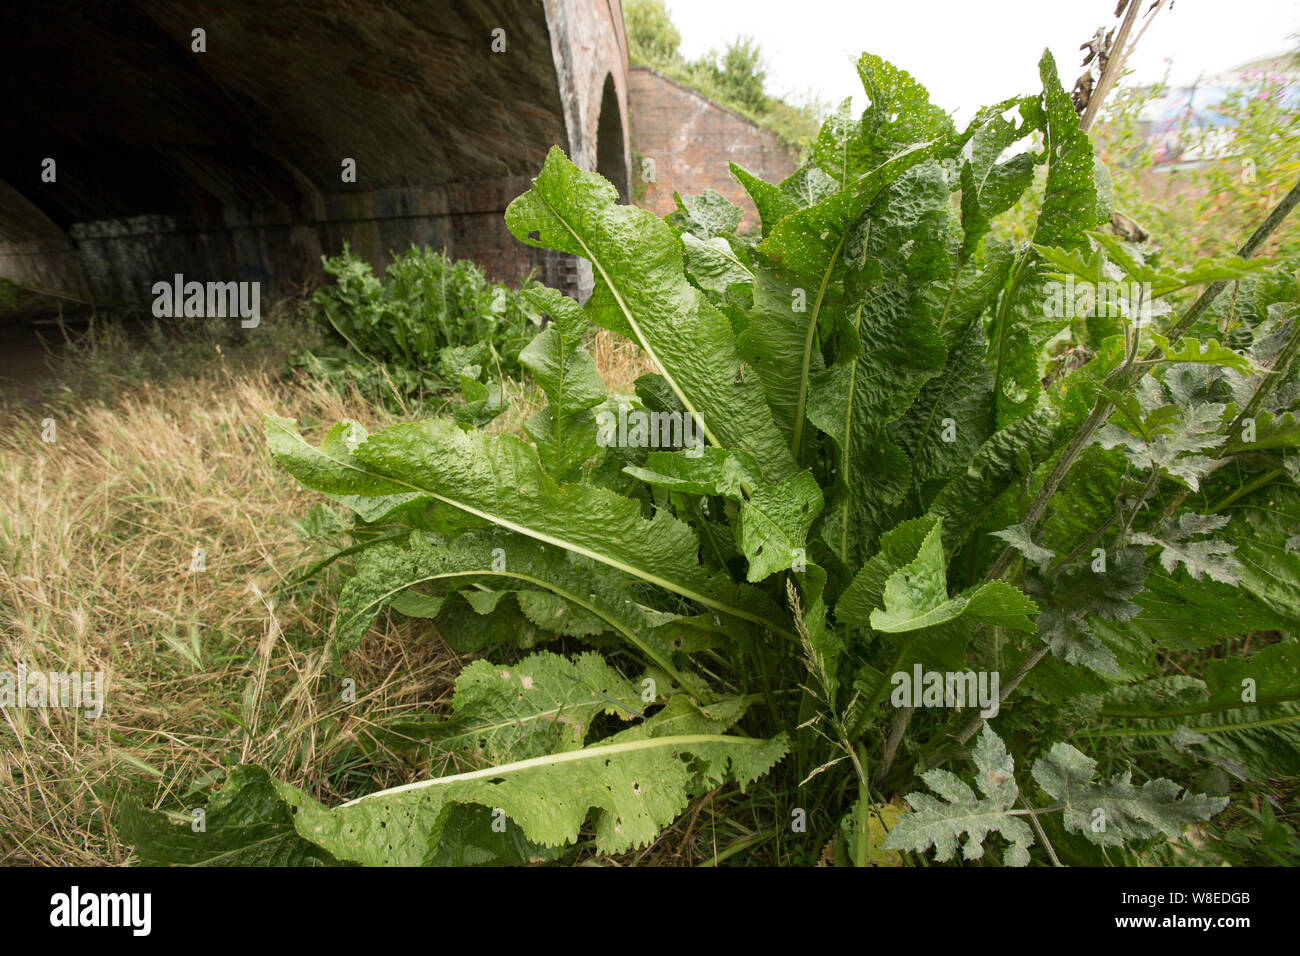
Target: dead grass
(98, 531)
(621, 361)
(209, 662)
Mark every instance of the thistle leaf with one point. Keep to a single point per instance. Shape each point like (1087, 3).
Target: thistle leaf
(1174, 444)
(1110, 811)
(942, 823)
(1200, 557)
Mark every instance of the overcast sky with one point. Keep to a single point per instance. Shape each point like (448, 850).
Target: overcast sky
(972, 52)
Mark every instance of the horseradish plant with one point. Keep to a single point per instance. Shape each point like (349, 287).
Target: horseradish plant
(922, 469)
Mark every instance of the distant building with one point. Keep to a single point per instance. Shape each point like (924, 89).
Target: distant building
(1187, 125)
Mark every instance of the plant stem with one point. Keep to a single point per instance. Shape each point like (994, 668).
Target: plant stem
(1028, 664)
(891, 743)
(1244, 490)
(1124, 378)
(1113, 66)
(739, 847)
(1042, 834)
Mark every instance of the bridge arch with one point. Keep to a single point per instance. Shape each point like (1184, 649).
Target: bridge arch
(226, 163)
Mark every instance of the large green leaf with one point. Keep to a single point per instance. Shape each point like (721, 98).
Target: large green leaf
(565, 432)
(542, 705)
(800, 276)
(244, 824)
(1023, 324)
(773, 202)
(637, 781)
(641, 289)
(888, 349)
(1011, 455)
(898, 114)
(988, 187)
(501, 481)
(916, 596)
(427, 563)
(774, 520)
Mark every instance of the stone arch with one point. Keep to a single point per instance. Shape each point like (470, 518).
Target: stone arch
(611, 158)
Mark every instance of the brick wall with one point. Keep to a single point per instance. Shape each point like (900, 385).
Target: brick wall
(691, 140)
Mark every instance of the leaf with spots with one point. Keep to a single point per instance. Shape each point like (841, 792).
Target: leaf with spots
(635, 783)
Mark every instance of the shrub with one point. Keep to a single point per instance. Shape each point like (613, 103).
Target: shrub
(427, 324)
(895, 525)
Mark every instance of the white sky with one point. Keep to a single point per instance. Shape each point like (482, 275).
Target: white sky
(969, 53)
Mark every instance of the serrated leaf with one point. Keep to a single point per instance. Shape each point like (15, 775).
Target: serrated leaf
(1198, 557)
(1209, 352)
(1073, 641)
(565, 432)
(942, 823)
(1175, 444)
(1110, 811)
(1227, 269)
(636, 781)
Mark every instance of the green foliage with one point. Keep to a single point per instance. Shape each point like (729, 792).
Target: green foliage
(1215, 181)
(849, 471)
(429, 325)
(651, 36)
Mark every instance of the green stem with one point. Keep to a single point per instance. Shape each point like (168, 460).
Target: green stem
(1247, 489)
(741, 846)
(1192, 710)
(1164, 732)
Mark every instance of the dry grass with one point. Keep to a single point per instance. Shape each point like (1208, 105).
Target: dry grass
(621, 361)
(97, 536)
(203, 668)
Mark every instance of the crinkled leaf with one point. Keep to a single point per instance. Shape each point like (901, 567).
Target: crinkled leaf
(641, 288)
